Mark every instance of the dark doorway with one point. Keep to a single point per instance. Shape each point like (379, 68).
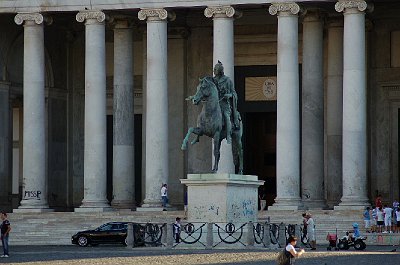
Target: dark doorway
(259, 122)
(260, 150)
(109, 157)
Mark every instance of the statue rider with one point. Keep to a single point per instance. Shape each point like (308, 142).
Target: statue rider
(227, 99)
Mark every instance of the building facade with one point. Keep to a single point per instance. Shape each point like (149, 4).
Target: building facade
(93, 110)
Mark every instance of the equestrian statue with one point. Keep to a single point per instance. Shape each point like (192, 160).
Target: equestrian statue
(219, 118)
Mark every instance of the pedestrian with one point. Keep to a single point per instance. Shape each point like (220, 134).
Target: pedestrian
(367, 220)
(378, 201)
(379, 216)
(289, 253)
(304, 234)
(177, 229)
(373, 220)
(388, 219)
(5, 233)
(398, 220)
(311, 232)
(185, 205)
(164, 196)
(261, 197)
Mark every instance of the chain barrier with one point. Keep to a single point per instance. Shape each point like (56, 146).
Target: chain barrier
(149, 233)
(274, 233)
(189, 234)
(258, 233)
(230, 231)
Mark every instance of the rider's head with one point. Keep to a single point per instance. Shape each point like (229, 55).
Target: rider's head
(219, 69)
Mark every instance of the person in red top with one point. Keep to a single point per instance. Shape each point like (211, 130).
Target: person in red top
(378, 201)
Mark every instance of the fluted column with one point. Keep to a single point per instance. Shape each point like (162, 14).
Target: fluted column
(95, 155)
(312, 162)
(223, 50)
(354, 105)
(334, 112)
(156, 104)
(288, 117)
(123, 145)
(34, 191)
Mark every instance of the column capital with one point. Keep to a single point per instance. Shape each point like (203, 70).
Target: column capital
(36, 18)
(222, 11)
(353, 5)
(156, 14)
(91, 14)
(285, 8)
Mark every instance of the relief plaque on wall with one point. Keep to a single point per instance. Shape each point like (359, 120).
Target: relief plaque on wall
(260, 88)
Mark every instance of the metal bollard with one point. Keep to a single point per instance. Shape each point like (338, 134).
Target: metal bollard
(282, 235)
(267, 235)
(210, 236)
(250, 235)
(130, 238)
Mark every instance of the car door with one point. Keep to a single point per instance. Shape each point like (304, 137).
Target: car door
(102, 233)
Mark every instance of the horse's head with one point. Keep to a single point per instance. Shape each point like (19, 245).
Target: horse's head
(204, 90)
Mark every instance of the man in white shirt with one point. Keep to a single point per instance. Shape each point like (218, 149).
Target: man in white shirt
(388, 219)
(311, 232)
(164, 196)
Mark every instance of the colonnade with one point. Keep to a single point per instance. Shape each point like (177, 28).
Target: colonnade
(291, 148)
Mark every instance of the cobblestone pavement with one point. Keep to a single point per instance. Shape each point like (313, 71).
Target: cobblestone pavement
(113, 255)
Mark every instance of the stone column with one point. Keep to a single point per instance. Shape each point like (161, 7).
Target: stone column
(156, 104)
(288, 117)
(5, 141)
(123, 149)
(223, 51)
(354, 106)
(95, 155)
(34, 192)
(334, 112)
(312, 162)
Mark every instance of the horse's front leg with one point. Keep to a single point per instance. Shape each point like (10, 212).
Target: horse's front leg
(198, 132)
(185, 141)
(217, 146)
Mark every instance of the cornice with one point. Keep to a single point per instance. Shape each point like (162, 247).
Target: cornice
(222, 11)
(156, 14)
(290, 8)
(86, 15)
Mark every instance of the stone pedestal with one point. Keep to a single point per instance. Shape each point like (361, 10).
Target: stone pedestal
(222, 197)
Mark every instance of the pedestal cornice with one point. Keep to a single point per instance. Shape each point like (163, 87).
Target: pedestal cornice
(221, 12)
(37, 18)
(156, 14)
(285, 8)
(90, 15)
(353, 5)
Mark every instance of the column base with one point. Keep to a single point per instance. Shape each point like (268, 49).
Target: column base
(93, 209)
(94, 206)
(123, 205)
(352, 203)
(291, 204)
(25, 209)
(314, 204)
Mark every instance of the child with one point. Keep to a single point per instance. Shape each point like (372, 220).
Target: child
(398, 220)
(177, 229)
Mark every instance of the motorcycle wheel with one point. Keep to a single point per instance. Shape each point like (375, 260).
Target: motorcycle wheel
(343, 245)
(358, 245)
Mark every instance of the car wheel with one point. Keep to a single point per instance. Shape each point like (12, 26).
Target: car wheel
(83, 241)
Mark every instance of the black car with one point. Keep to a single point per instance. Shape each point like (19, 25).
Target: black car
(113, 232)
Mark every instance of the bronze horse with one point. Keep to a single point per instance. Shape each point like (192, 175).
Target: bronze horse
(210, 123)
